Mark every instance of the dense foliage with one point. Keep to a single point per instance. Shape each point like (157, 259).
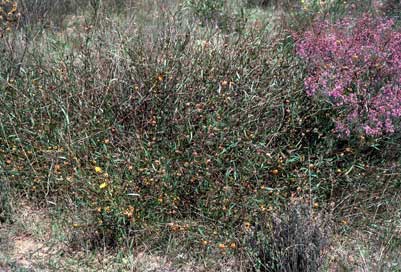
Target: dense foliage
(178, 122)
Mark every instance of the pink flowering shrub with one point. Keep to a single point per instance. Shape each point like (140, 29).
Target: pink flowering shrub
(355, 64)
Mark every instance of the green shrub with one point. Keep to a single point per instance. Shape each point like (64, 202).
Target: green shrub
(216, 14)
(141, 130)
(171, 123)
(207, 11)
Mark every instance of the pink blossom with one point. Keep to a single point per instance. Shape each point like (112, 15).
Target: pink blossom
(355, 64)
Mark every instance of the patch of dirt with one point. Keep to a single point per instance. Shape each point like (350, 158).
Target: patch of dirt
(24, 249)
(21, 247)
(29, 244)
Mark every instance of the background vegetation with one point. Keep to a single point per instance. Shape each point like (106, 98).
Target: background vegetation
(184, 127)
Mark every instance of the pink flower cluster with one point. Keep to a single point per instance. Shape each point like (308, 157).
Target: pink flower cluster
(355, 64)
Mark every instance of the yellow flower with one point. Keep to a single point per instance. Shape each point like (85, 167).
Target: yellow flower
(98, 169)
(129, 212)
(103, 185)
(222, 246)
(275, 172)
(14, 9)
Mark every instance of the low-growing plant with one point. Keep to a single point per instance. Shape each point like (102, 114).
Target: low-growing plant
(291, 242)
(207, 11)
(355, 65)
(218, 14)
(6, 209)
(299, 15)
